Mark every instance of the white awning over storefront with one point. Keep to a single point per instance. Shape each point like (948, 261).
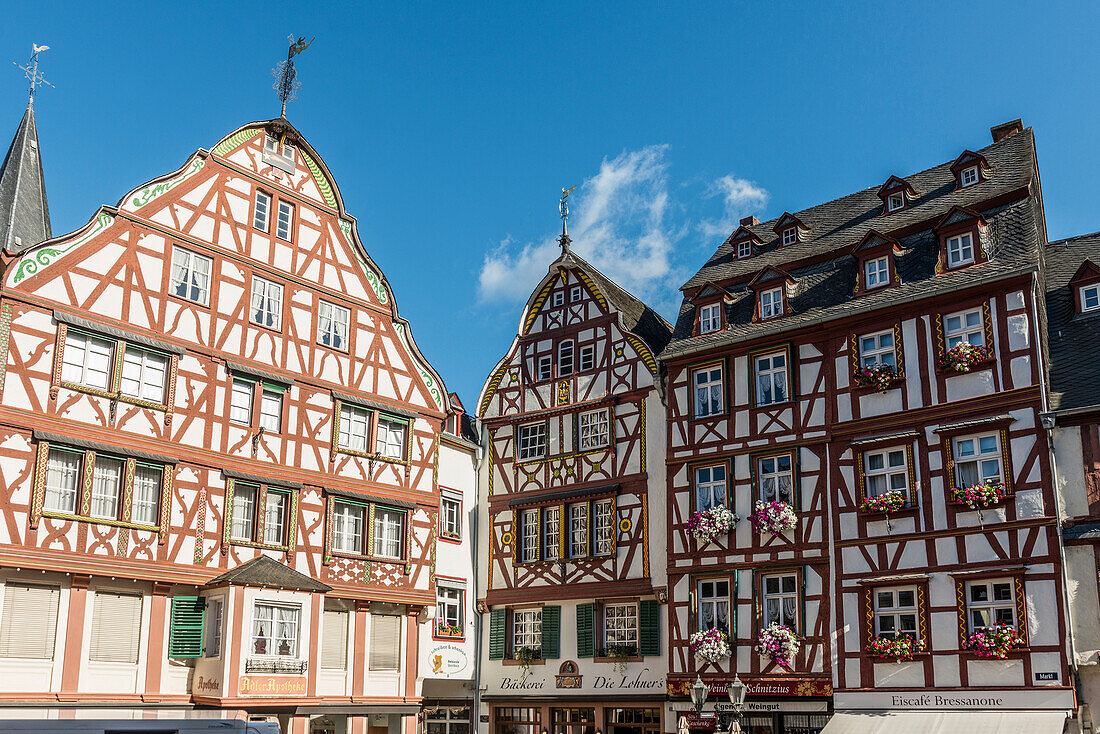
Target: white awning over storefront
(945, 722)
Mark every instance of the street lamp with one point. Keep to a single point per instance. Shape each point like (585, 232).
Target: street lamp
(698, 693)
(737, 691)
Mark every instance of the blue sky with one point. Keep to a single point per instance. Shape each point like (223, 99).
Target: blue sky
(451, 128)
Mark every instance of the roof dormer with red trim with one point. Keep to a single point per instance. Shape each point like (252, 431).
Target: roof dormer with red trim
(960, 234)
(896, 194)
(790, 229)
(970, 168)
(1085, 285)
(772, 288)
(877, 268)
(744, 242)
(710, 303)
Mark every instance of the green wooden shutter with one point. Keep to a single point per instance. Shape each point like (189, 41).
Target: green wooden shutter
(185, 632)
(586, 630)
(497, 623)
(649, 627)
(551, 626)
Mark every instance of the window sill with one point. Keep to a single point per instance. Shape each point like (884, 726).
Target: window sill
(265, 327)
(959, 507)
(631, 659)
(338, 350)
(890, 660)
(262, 546)
(456, 540)
(907, 511)
(76, 387)
(977, 366)
(774, 406)
(513, 661)
(448, 638)
(151, 404)
(1016, 652)
(711, 417)
(189, 302)
(54, 515)
(371, 457)
(866, 389)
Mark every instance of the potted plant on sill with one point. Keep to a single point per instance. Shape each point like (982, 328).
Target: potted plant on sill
(710, 645)
(706, 525)
(448, 630)
(620, 655)
(965, 357)
(897, 649)
(774, 517)
(877, 376)
(995, 642)
(979, 496)
(527, 655)
(885, 504)
(779, 644)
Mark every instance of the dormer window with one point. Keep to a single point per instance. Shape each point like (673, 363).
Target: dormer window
(895, 202)
(968, 176)
(790, 236)
(744, 249)
(710, 318)
(960, 250)
(771, 303)
(1090, 297)
(876, 272)
(970, 168)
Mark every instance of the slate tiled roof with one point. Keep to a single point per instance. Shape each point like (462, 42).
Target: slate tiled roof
(24, 215)
(267, 572)
(824, 290)
(1074, 339)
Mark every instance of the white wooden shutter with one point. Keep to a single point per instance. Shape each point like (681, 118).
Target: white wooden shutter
(385, 642)
(29, 621)
(116, 628)
(334, 640)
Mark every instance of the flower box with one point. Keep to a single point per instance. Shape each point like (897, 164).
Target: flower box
(773, 517)
(897, 649)
(448, 630)
(995, 642)
(965, 357)
(779, 644)
(884, 504)
(710, 645)
(706, 525)
(879, 377)
(979, 496)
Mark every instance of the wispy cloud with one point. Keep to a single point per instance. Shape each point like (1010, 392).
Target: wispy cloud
(627, 224)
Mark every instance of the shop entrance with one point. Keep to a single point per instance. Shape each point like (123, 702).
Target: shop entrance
(633, 721)
(784, 723)
(322, 725)
(574, 720)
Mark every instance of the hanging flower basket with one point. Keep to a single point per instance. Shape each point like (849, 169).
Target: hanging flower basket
(995, 642)
(773, 517)
(964, 357)
(779, 644)
(877, 376)
(885, 503)
(710, 645)
(527, 655)
(979, 496)
(706, 525)
(898, 649)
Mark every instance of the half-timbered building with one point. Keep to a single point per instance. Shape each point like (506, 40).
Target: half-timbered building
(220, 449)
(835, 375)
(572, 579)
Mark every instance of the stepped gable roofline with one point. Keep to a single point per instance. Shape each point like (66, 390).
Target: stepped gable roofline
(1073, 338)
(837, 223)
(24, 211)
(768, 274)
(956, 215)
(874, 240)
(968, 158)
(266, 572)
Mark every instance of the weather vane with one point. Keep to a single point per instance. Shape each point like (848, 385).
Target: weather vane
(563, 209)
(31, 69)
(286, 79)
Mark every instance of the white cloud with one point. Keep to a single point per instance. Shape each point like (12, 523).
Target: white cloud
(626, 223)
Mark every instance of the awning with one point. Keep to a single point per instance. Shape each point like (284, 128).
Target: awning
(945, 722)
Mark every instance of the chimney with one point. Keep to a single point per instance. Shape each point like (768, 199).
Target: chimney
(749, 221)
(1006, 130)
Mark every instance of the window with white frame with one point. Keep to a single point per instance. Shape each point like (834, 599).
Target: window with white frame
(144, 374)
(565, 358)
(603, 526)
(529, 536)
(106, 485)
(876, 272)
(620, 625)
(558, 298)
(877, 349)
(964, 327)
(191, 275)
(261, 218)
(212, 635)
(391, 437)
(776, 478)
(275, 629)
(744, 249)
(895, 201)
(532, 441)
(771, 378)
(448, 609)
(969, 176)
(389, 532)
(771, 303)
(710, 487)
(790, 236)
(28, 622)
(240, 401)
(332, 325)
(896, 612)
(271, 409)
(64, 490)
(710, 318)
(781, 600)
(146, 500)
(578, 530)
(450, 516)
(87, 360)
(593, 429)
(977, 459)
(1090, 297)
(271, 145)
(546, 366)
(960, 250)
(526, 629)
(348, 523)
(551, 533)
(587, 358)
(574, 294)
(885, 470)
(276, 512)
(267, 303)
(63, 470)
(990, 602)
(354, 428)
(708, 391)
(285, 222)
(714, 605)
(243, 521)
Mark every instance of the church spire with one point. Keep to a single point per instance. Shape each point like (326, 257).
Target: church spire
(24, 215)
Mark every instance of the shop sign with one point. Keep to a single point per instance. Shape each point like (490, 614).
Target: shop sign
(759, 687)
(692, 720)
(568, 676)
(272, 685)
(958, 699)
(448, 660)
(205, 684)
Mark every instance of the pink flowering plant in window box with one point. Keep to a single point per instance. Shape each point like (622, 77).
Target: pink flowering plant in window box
(706, 525)
(710, 645)
(884, 503)
(779, 644)
(898, 649)
(964, 357)
(878, 376)
(995, 642)
(978, 496)
(448, 630)
(773, 517)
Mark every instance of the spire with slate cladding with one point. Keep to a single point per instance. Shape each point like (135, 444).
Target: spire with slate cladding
(24, 214)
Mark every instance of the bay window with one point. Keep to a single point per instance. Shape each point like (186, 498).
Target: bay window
(275, 629)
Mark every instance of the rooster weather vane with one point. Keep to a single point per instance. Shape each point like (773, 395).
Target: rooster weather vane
(286, 79)
(31, 69)
(563, 209)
